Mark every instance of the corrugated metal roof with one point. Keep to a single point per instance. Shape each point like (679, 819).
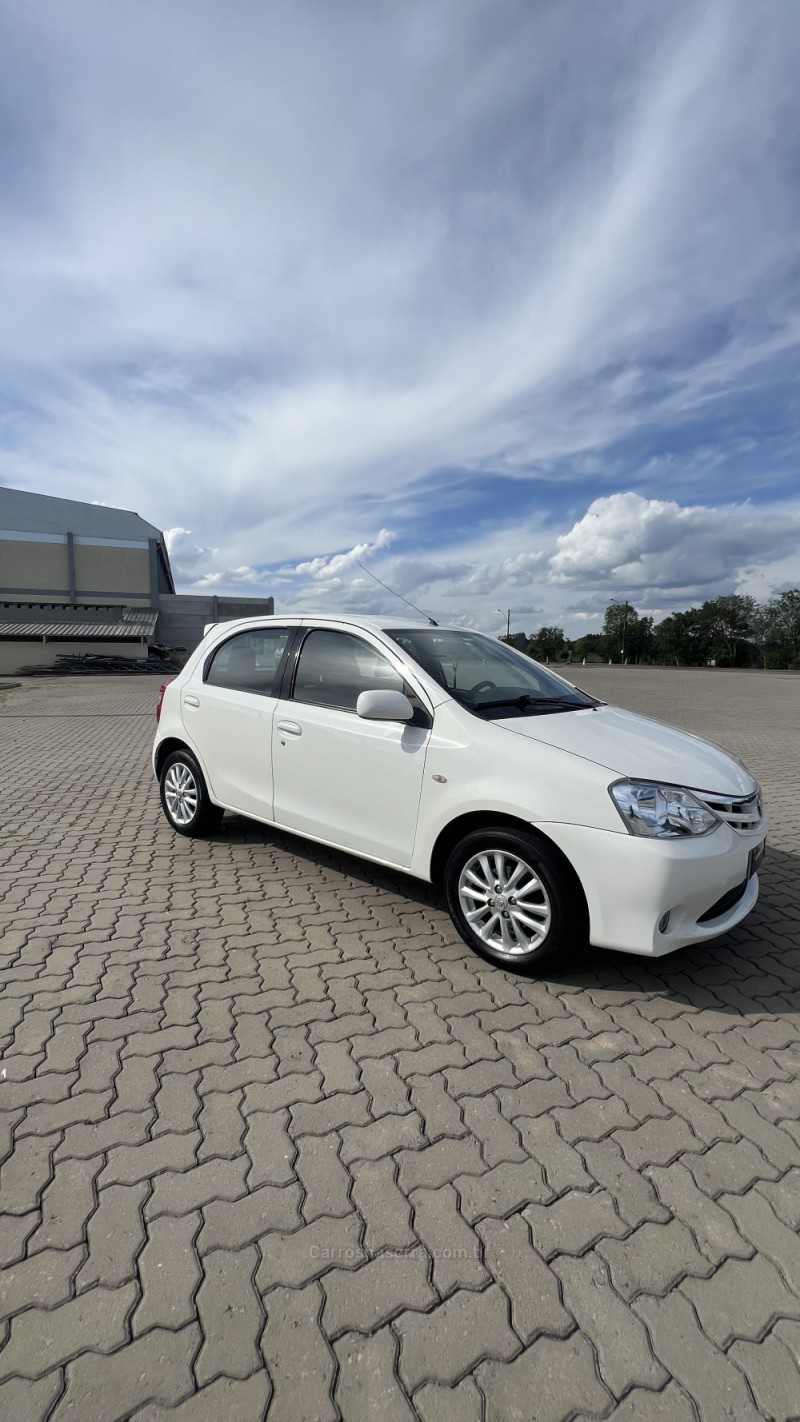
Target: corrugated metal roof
(25, 512)
(134, 623)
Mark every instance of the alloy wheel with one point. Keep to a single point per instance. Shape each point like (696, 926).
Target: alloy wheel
(504, 902)
(181, 793)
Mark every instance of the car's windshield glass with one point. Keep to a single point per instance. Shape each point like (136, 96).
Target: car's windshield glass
(488, 677)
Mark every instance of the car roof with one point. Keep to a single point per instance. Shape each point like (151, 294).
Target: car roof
(371, 623)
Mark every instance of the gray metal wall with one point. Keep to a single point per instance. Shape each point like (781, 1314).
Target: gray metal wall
(182, 616)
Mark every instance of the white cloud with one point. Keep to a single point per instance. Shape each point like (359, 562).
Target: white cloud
(332, 565)
(196, 567)
(642, 546)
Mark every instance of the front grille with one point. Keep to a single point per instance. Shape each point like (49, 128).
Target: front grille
(745, 814)
(723, 905)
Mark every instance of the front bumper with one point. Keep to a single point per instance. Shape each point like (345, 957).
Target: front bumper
(631, 883)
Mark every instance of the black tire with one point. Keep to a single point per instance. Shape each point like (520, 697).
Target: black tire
(557, 905)
(188, 809)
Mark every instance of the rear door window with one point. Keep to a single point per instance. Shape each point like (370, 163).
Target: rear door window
(249, 661)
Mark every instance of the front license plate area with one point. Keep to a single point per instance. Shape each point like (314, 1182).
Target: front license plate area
(756, 858)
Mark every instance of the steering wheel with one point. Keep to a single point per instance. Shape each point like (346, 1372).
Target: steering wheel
(482, 686)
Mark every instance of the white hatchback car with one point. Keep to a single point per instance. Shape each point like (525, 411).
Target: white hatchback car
(548, 816)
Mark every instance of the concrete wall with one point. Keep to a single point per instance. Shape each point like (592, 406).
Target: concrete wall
(67, 568)
(26, 568)
(112, 574)
(16, 655)
(182, 616)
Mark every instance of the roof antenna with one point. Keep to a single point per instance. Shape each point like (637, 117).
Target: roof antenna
(431, 620)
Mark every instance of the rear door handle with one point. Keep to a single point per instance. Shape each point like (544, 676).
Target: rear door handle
(191, 700)
(290, 728)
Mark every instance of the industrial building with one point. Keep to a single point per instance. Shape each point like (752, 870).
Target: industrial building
(78, 578)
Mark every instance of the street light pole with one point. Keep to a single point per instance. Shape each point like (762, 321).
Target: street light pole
(508, 621)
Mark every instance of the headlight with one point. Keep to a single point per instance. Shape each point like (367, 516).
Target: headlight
(661, 811)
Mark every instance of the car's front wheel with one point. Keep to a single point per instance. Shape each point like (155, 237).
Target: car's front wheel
(512, 899)
(184, 797)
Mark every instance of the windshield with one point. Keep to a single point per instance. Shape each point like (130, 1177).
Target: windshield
(486, 676)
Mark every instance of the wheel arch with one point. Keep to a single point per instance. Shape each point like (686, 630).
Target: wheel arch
(166, 747)
(466, 824)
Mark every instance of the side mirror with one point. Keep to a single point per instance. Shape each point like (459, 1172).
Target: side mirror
(384, 706)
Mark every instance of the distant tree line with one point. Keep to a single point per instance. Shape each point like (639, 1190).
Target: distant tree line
(730, 631)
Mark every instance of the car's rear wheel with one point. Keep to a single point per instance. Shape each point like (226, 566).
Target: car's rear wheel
(184, 797)
(512, 898)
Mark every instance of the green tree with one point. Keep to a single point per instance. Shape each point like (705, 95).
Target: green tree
(787, 623)
(683, 638)
(764, 632)
(590, 645)
(548, 644)
(729, 619)
(627, 636)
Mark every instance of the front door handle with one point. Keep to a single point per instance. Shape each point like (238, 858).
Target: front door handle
(191, 700)
(290, 728)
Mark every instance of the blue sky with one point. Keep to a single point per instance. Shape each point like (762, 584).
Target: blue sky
(501, 300)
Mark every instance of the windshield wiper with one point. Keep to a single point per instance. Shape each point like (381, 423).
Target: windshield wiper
(526, 700)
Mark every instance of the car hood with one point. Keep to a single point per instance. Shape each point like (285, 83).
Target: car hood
(636, 747)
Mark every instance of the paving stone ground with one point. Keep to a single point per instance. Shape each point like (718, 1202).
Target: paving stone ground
(275, 1144)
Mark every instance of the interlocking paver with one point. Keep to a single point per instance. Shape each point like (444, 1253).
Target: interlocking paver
(562, 1165)
(631, 1191)
(443, 1345)
(298, 1356)
(742, 1300)
(774, 1143)
(531, 1285)
(25, 1174)
(42, 1339)
(772, 1374)
(155, 1368)
(67, 1204)
(440, 1113)
(383, 1206)
(653, 1259)
(439, 1163)
(230, 1315)
(192, 1026)
(784, 1196)
(381, 1137)
(40, 1282)
(127, 1165)
(462, 1403)
(710, 1377)
(712, 1227)
(623, 1350)
(115, 1233)
(367, 1387)
(27, 1401)
(170, 1272)
(293, 1259)
(380, 1289)
(452, 1244)
(731, 1167)
(14, 1235)
(230, 1224)
(503, 1189)
(573, 1222)
(177, 1190)
(323, 1177)
(768, 1233)
(670, 1405)
(226, 1398)
(559, 1373)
